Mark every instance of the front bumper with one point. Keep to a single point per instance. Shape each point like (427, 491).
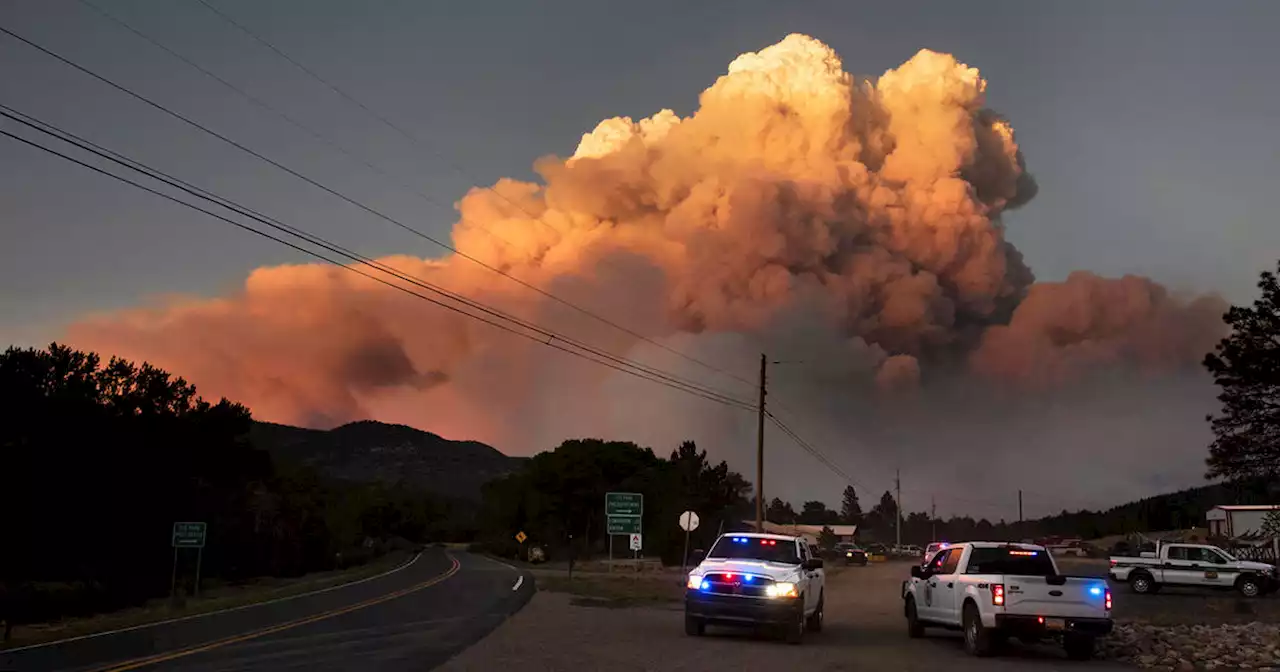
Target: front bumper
(1030, 625)
(738, 609)
(856, 559)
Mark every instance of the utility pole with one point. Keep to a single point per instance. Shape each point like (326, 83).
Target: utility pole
(760, 450)
(897, 484)
(933, 517)
(1019, 512)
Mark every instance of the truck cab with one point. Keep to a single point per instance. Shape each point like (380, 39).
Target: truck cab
(752, 579)
(1193, 566)
(995, 590)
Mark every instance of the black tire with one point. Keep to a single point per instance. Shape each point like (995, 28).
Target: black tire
(1078, 647)
(915, 629)
(1249, 586)
(694, 626)
(1142, 583)
(814, 622)
(977, 639)
(794, 631)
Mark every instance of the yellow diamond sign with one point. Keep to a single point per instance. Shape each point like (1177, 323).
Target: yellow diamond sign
(521, 536)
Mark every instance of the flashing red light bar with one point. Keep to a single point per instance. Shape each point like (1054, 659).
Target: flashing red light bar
(1025, 553)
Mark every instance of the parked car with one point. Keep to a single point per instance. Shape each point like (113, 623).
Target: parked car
(1194, 565)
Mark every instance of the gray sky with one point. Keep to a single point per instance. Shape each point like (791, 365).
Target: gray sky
(1150, 126)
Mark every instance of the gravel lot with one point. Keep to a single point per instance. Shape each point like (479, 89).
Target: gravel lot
(864, 630)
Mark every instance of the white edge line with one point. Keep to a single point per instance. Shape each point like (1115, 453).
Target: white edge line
(519, 582)
(393, 570)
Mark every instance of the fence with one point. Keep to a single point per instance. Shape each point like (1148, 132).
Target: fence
(1263, 552)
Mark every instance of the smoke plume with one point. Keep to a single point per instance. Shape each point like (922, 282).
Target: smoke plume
(797, 208)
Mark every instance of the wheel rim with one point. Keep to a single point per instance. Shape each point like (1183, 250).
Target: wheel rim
(1140, 585)
(971, 634)
(1249, 588)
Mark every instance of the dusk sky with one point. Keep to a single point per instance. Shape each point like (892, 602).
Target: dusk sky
(1150, 127)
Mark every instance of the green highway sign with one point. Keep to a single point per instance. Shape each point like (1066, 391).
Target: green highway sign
(623, 504)
(188, 535)
(623, 525)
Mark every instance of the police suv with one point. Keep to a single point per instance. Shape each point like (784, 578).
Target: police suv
(757, 580)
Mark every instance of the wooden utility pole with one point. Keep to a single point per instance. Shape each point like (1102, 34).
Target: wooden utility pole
(897, 484)
(760, 450)
(933, 517)
(1021, 533)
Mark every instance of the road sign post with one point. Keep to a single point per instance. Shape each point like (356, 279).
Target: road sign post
(187, 535)
(688, 523)
(623, 512)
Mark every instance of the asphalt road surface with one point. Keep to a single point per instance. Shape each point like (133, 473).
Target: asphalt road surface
(413, 618)
(864, 630)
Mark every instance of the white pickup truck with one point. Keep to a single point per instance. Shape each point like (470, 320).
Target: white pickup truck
(1193, 565)
(993, 590)
(757, 579)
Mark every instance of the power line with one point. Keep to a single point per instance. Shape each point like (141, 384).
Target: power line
(550, 340)
(279, 113)
(266, 159)
(418, 141)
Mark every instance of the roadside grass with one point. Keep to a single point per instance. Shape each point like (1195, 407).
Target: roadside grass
(213, 598)
(614, 590)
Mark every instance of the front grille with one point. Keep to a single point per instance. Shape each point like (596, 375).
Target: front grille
(736, 584)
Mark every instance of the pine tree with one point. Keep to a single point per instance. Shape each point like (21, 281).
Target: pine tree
(1246, 365)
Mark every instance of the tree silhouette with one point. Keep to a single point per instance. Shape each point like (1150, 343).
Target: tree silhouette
(816, 513)
(101, 459)
(1246, 365)
(850, 509)
(780, 512)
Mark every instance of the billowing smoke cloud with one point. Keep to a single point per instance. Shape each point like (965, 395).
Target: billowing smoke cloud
(798, 207)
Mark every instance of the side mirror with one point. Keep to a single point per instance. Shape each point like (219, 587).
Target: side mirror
(917, 572)
(813, 563)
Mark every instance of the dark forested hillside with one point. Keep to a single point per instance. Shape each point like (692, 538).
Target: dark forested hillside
(375, 452)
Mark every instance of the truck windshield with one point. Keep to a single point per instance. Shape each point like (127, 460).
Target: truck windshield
(1015, 561)
(755, 548)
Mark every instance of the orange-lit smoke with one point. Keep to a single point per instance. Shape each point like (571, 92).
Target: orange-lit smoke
(874, 207)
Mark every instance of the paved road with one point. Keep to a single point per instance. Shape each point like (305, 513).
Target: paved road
(413, 618)
(864, 630)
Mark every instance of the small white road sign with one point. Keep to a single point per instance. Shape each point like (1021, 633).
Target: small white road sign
(635, 542)
(688, 521)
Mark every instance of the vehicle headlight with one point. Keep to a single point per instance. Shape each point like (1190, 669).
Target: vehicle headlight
(694, 582)
(849, 554)
(781, 590)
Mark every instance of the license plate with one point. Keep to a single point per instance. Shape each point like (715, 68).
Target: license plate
(1054, 624)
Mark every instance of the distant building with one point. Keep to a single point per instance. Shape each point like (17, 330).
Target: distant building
(809, 532)
(1237, 520)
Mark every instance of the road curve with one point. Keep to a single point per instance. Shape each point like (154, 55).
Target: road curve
(415, 617)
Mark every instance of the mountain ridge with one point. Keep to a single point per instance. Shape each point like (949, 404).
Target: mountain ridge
(372, 451)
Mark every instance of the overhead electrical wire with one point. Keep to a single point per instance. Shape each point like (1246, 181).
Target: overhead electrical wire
(540, 335)
(256, 154)
(418, 141)
(457, 169)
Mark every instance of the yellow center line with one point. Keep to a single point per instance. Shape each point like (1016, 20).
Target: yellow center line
(281, 627)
